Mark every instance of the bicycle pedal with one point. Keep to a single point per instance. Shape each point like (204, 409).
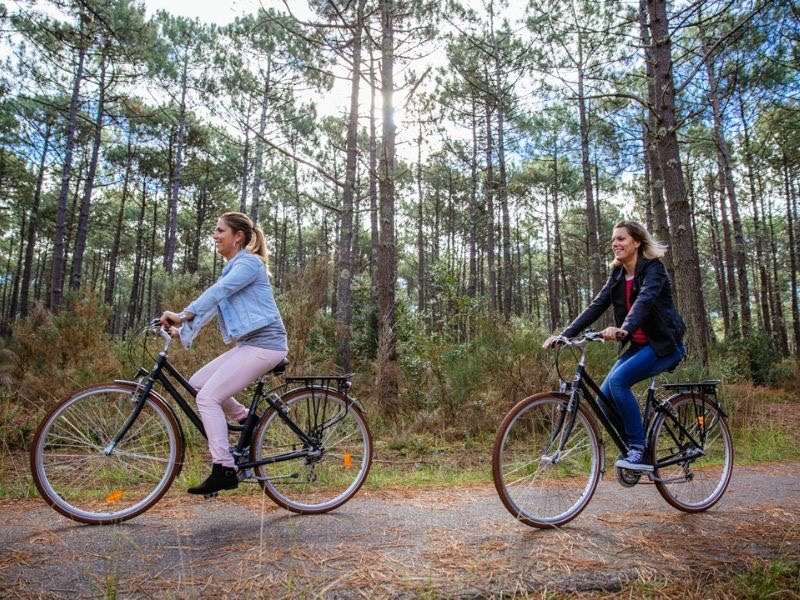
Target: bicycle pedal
(211, 495)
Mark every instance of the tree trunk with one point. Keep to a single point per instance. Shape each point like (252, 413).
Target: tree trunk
(258, 166)
(734, 331)
(172, 210)
(553, 285)
(660, 227)
(387, 375)
(791, 211)
(30, 247)
(687, 270)
(373, 179)
(83, 219)
(593, 228)
(719, 261)
(421, 300)
(474, 213)
(791, 223)
(245, 163)
(491, 263)
(726, 177)
(344, 314)
(758, 234)
(134, 304)
(58, 267)
(111, 278)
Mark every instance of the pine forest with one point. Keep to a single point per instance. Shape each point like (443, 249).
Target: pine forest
(437, 182)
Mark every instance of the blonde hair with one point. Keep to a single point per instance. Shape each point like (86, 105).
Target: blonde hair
(649, 247)
(254, 239)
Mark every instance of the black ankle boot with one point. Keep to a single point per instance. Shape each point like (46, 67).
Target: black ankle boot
(221, 478)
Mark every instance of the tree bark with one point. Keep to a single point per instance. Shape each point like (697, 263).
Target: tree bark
(258, 166)
(172, 209)
(344, 281)
(83, 219)
(593, 228)
(687, 270)
(726, 178)
(113, 258)
(33, 224)
(387, 375)
(491, 260)
(58, 266)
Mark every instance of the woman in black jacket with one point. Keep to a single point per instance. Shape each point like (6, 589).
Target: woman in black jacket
(640, 291)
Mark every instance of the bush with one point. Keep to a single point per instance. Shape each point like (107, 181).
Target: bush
(53, 354)
(49, 356)
(755, 358)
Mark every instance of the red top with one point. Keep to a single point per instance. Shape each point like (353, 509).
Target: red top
(638, 337)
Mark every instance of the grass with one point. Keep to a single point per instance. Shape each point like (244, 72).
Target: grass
(776, 579)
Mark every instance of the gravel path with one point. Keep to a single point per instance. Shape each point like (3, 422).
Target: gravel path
(444, 542)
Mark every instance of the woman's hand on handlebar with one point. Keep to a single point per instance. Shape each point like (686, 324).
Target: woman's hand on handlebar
(614, 334)
(552, 341)
(170, 321)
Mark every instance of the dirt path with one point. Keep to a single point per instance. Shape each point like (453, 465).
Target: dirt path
(452, 542)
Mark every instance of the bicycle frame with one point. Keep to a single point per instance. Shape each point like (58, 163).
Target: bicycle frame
(162, 368)
(606, 412)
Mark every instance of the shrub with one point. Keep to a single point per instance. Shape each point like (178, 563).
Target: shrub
(754, 358)
(53, 354)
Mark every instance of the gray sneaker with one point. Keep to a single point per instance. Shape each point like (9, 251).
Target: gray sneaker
(634, 461)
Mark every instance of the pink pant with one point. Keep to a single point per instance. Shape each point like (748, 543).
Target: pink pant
(217, 382)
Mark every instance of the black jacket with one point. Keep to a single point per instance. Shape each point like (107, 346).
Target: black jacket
(652, 306)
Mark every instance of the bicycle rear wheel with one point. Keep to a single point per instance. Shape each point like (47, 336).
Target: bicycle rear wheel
(541, 482)
(693, 453)
(322, 480)
(77, 475)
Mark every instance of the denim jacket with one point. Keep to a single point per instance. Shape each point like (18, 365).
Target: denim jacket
(241, 298)
(652, 306)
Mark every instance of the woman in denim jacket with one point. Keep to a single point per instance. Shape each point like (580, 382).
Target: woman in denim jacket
(245, 308)
(640, 291)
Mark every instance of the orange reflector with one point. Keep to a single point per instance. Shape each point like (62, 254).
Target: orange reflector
(701, 420)
(114, 496)
(347, 460)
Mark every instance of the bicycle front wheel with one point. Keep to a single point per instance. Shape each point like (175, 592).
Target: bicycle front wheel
(81, 477)
(693, 453)
(546, 461)
(322, 478)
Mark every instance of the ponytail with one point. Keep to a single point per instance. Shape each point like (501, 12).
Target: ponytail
(258, 245)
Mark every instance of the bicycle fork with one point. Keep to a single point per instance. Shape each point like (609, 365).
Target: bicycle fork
(562, 430)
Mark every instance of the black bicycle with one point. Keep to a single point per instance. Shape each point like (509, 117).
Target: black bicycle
(549, 455)
(111, 450)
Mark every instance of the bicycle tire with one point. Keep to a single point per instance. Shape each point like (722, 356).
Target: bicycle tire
(696, 483)
(533, 488)
(75, 475)
(314, 484)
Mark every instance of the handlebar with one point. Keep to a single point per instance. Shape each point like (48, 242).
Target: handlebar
(580, 341)
(155, 328)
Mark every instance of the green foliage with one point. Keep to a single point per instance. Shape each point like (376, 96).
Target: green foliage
(755, 358)
(52, 355)
(47, 357)
(773, 579)
(463, 384)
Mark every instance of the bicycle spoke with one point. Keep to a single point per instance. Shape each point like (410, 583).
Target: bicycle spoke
(316, 483)
(542, 480)
(75, 475)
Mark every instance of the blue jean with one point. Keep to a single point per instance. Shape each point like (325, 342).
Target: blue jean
(636, 364)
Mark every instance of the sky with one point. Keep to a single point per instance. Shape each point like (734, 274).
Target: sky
(213, 11)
